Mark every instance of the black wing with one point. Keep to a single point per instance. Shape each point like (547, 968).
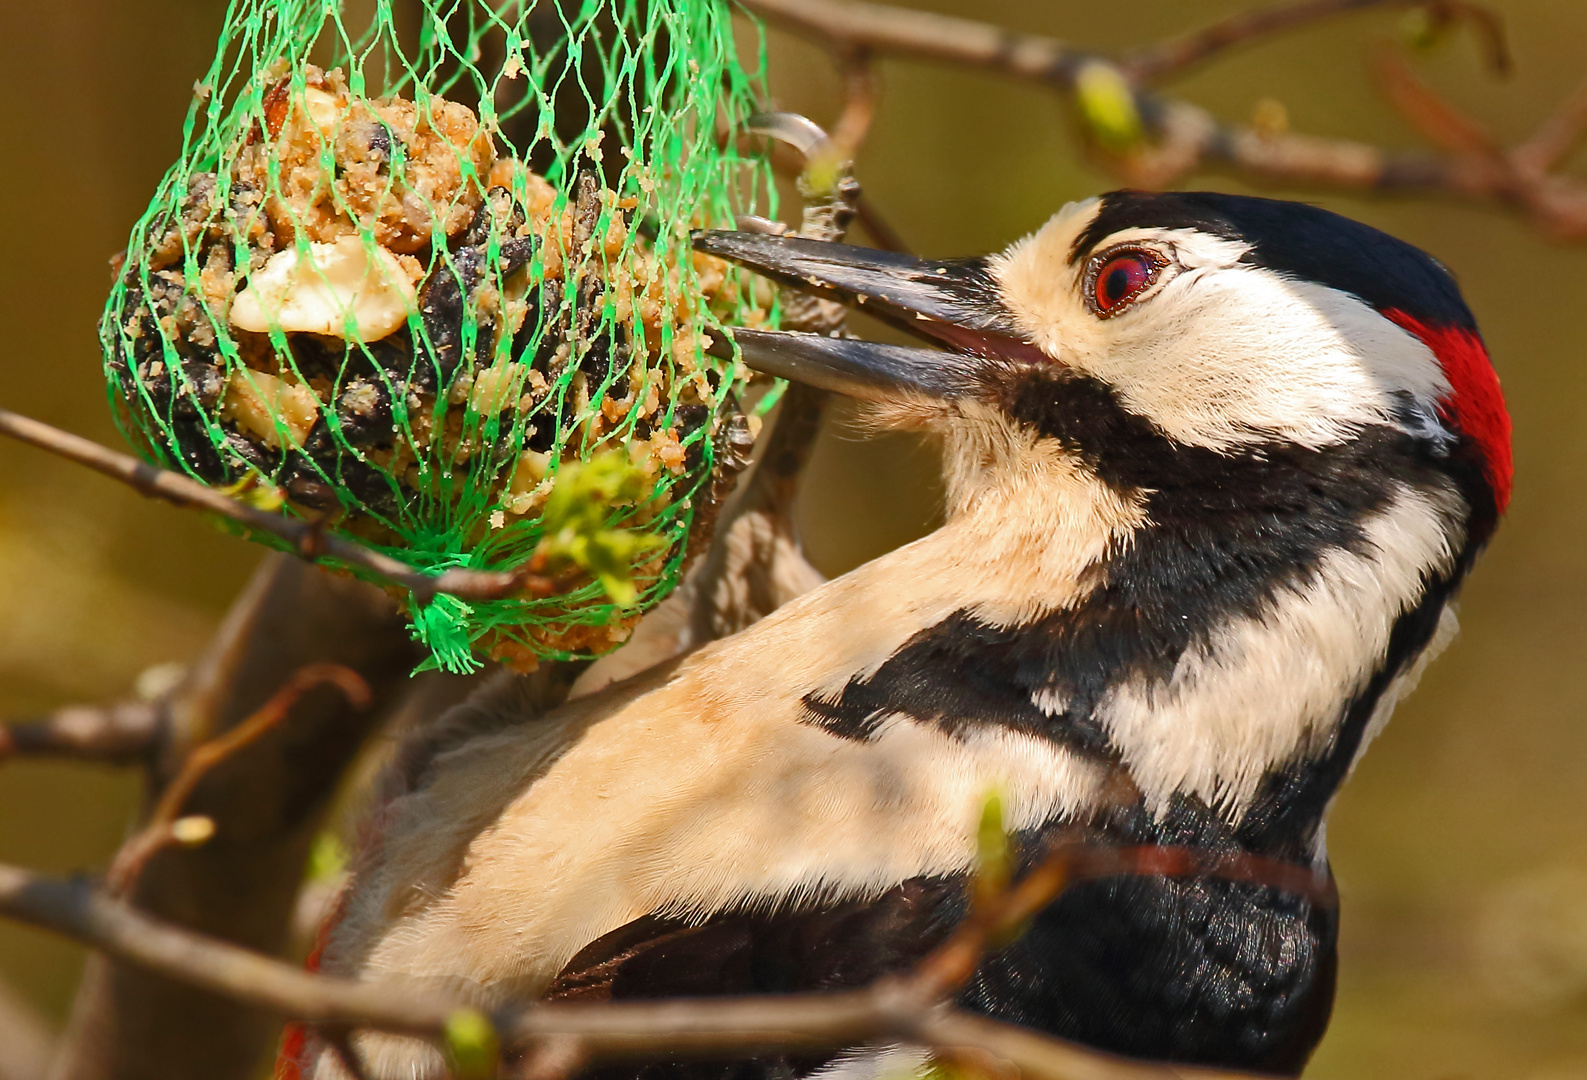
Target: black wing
(1203, 971)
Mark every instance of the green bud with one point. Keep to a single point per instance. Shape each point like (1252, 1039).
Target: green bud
(994, 854)
(820, 177)
(256, 493)
(327, 858)
(575, 521)
(1107, 106)
(472, 1044)
(1422, 28)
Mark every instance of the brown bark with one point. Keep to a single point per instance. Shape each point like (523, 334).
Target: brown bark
(267, 803)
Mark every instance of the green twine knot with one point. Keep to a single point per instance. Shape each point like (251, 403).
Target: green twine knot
(441, 625)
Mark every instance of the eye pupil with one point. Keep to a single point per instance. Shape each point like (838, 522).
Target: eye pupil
(1121, 279)
(1118, 284)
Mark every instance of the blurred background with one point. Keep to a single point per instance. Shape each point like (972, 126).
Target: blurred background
(1460, 845)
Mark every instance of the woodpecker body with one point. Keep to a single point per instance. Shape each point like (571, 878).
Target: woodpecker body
(1214, 465)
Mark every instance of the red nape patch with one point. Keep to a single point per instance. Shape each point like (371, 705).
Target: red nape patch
(1475, 403)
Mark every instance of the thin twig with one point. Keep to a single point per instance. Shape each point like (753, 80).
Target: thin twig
(787, 163)
(1004, 915)
(77, 910)
(881, 231)
(891, 1010)
(554, 1058)
(1554, 137)
(859, 102)
(164, 827)
(1519, 176)
(340, 1041)
(1185, 138)
(1166, 59)
(306, 539)
(1439, 122)
(952, 963)
(119, 734)
(882, 28)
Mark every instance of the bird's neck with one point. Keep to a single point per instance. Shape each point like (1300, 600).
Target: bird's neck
(1217, 651)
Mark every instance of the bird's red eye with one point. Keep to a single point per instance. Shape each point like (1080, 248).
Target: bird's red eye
(1121, 279)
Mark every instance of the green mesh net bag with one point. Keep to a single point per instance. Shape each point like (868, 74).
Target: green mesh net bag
(422, 274)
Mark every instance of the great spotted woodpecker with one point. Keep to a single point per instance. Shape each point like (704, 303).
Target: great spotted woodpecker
(1215, 466)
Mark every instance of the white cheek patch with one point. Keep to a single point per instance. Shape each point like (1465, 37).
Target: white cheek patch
(1269, 688)
(1222, 353)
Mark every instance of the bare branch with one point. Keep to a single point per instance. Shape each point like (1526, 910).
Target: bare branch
(121, 734)
(1005, 914)
(882, 28)
(881, 231)
(1186, 138)
(164, 826)
(555, 1037)
(555, 1058)
(77, 910)
(267, 803)
(953, 962)
(1155, 63)
(1518, 176)
(1439, 122)
(1036, 1056)
(1554, 137)
(307, 539)
(341, 1045)
(859, 102)
(861, 94)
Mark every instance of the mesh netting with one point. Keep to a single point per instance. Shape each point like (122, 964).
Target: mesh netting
(423, 275)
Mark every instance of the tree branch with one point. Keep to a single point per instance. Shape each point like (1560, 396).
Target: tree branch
(306, 539)
(163, 826)
(346, 1054)
(1183, 138)
(845, 27)
(912, 1007)
(266, 802)
(1554, 137)
(1438, 121)
(859, 103)
(1170, 58)
(892, 1010)
(121, 734)
(75, 909)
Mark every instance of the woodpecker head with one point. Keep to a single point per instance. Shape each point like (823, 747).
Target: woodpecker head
(1146, 332)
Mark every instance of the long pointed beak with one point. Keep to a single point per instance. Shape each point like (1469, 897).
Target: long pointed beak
(948, 302)
(858, 369)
